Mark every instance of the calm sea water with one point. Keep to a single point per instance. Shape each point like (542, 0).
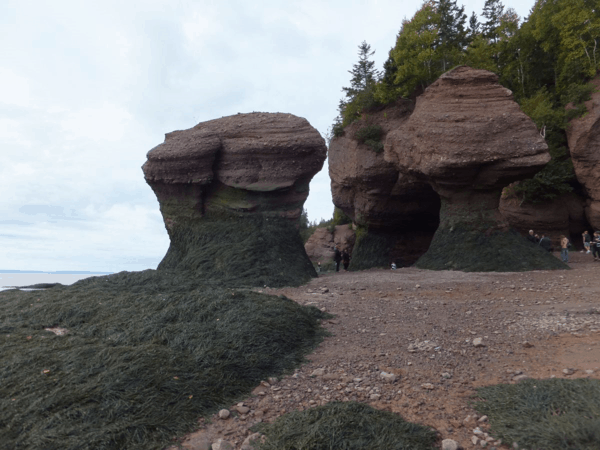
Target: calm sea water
(25, 279)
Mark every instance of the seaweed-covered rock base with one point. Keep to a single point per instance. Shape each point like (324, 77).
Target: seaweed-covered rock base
(471, 250)
(253, 250)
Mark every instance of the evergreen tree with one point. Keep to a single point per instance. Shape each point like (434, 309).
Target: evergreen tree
(360, 94)
(492, 11)
(364, 75)
(451, 32)
(474, 27)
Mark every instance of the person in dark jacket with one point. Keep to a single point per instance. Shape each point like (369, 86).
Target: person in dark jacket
(337, 257)
(546, 243)
(532, 237)
(345, 259)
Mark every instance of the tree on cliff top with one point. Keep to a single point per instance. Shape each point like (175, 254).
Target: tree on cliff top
(359, 96)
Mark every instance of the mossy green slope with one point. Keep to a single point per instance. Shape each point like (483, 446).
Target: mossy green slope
(145, 356)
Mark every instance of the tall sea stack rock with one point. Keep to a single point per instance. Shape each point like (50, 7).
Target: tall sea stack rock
(231, 191)
(397, 214)
(584, 144)
(468, 139)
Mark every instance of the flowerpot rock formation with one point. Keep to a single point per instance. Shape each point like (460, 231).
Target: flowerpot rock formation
(390, 207)
(467, 138)
(584, 144)
(231, 191)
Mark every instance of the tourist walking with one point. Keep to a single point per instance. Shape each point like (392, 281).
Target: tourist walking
(545, 243)
(345, 260)
(596, 246)
(587, 239)
(337, 257)
(564, 248)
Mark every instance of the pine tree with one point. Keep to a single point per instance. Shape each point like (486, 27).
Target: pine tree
(451, 31)
(364, 75)
(359, 95)
(492, 11)
(474, 27)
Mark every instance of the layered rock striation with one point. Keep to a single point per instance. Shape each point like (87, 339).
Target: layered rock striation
(583, 135)
(231, 191)
(389, 206)
(467, 138)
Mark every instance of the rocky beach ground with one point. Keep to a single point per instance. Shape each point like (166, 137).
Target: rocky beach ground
(419, 343)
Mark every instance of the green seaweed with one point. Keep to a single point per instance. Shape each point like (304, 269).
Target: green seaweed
(255, 250)
(146, 354)
(551, 414)
(469, 250)
(345, 425)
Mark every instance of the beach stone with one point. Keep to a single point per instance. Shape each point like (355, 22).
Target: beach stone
(243, 409)
(449, 444)
(388, 377)
(568, 371)
(521, 377)
(224, 414)
(222, 445)
(318, 372)
(197, 441)
(478, 342)
(248, 442)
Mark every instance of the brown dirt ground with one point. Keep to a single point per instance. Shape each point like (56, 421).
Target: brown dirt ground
(537, 323)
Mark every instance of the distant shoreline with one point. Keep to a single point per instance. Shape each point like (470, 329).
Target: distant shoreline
(57, 272)
(9, 279)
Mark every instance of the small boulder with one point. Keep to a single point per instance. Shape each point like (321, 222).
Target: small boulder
(449, 444)
(224, 414)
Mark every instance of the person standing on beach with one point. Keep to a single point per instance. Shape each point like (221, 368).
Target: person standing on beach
(337, 257)
(564, 248)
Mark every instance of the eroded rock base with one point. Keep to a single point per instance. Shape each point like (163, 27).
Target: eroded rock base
(379, 248)
(255, 250)
(461, 248)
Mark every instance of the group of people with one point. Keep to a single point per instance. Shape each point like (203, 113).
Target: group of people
(590, 244)
(543, 241)
(341, 257)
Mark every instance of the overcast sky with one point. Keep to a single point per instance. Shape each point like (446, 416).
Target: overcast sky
(87, 88)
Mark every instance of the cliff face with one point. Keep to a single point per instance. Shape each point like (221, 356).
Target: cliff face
(231, 191)
(584, 144)
(464, 141)
(376, 195)
(468, 139)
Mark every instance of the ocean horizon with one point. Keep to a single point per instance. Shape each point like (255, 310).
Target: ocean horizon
(17, 278)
